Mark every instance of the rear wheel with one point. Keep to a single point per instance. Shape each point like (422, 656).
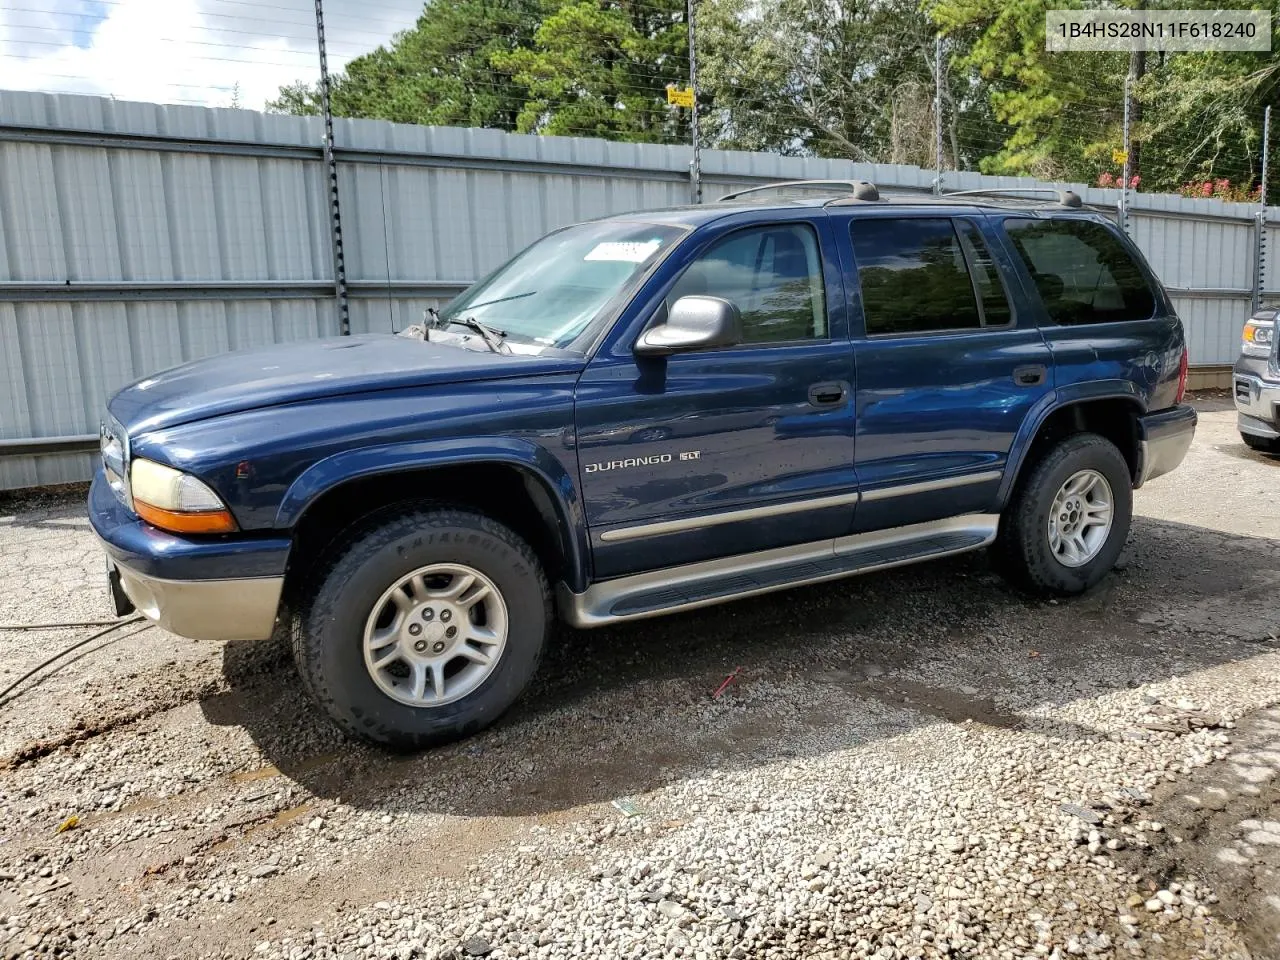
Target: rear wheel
(1069, 520)
(424, 628)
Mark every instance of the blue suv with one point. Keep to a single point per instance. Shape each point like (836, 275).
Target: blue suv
(650, 413)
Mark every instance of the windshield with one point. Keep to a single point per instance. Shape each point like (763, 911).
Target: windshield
(549, 295)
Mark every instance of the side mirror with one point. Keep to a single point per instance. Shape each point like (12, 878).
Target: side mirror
(693, 323)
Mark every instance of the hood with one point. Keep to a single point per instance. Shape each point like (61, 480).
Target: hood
(310, 370)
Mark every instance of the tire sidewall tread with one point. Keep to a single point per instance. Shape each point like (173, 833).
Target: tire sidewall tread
(1023, 538)
(328, 634)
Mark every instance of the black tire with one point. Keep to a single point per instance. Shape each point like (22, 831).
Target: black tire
(1023, 545)
(328, 636)
(1261, 444)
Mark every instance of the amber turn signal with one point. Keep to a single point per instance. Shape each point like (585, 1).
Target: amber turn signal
(211, 521)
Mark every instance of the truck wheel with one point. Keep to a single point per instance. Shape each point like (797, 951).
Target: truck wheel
(1067, 524)
(1261, 444)
(424, 627)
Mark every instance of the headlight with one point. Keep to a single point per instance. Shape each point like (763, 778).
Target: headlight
(1258, 337)
(113, 461)
(176, 501)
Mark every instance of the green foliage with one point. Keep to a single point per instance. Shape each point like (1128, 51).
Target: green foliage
(440, 72)
(1063, 110)
(805, 77)
(601, 69)
(838, 78)
(1206, 112)
(1196, 115)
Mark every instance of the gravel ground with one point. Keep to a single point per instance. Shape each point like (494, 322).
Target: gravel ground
(919, 763)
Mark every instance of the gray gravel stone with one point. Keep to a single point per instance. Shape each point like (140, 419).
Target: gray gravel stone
(1083, 813)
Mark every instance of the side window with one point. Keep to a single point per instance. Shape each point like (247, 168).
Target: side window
(1081, 271)
(986, 277)
(915, 279)
(774, 276)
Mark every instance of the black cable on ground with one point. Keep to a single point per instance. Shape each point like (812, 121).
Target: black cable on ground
(56, 626)
(75, 646)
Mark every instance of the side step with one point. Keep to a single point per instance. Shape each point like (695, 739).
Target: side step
(716, 581)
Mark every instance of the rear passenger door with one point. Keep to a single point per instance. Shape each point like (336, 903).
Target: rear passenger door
(1110, 332)
(949, 363)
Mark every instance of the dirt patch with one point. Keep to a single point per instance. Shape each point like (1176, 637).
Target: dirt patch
(954, 706)
(1220, 826)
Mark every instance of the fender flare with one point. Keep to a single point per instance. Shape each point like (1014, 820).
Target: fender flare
(1060, 399)
(520, 454)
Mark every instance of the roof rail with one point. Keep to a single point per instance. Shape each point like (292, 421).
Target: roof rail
(859, 189)
(1067, 198)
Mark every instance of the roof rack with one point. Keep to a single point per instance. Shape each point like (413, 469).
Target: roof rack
(859, 189)
(1067, 198)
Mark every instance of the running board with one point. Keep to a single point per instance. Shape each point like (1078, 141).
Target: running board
(716, 581)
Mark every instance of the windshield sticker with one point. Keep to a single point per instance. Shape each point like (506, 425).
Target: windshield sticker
(624, 251)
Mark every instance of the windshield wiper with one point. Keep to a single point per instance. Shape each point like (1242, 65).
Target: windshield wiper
(514, 296)
(492, 338)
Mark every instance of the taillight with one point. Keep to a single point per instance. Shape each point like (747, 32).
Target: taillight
(1182, 377)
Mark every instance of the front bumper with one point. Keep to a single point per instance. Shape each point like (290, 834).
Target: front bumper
(1165, 438)
(206, 609)
(1257, 403)
(205, 589)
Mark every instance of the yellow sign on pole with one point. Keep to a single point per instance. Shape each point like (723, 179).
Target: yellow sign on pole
(1119, 156)
(681, 98)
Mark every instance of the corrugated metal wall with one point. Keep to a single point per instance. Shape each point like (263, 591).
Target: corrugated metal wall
(135, 236)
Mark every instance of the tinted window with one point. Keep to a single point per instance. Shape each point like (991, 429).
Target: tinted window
(773, 274)
(986, 277)
(1082, 271)
(913, 276)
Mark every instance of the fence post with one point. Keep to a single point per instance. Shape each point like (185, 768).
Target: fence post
(695, 168)
(1124, 186)
(937, 111)
(331, 166)
(1260, 244)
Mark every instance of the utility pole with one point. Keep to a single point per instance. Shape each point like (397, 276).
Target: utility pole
(331, 166)
(1137, 69)
(1260, 270)
(695, 168)
(937, 111)
(1124, 186)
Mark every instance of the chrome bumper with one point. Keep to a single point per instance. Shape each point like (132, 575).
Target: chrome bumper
(205, 609)
(1165, 439)
(1256, 403)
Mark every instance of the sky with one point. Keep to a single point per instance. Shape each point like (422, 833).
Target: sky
(185, 51)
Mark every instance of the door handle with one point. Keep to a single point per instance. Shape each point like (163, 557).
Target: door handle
(1029, 376)
(828, 394)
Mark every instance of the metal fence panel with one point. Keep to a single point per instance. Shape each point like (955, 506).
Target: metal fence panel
(1197, 254)
(1212, 324)
(146, 235)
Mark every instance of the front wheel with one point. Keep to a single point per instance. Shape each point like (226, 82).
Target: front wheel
(1069, 520)
(425, 628)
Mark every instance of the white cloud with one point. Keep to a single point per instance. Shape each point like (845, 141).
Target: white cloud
(194, 51)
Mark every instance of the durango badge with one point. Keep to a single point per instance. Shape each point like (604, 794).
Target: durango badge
(629, 462)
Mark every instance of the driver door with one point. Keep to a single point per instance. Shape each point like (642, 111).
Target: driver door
(727, 450)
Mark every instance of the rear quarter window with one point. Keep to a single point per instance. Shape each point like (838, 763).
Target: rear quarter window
(1082, 271)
